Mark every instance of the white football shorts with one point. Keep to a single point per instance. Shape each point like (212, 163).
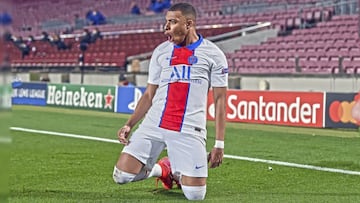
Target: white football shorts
(186, 152)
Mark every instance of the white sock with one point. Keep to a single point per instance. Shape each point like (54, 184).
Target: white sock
(194, 192)
(156, 171)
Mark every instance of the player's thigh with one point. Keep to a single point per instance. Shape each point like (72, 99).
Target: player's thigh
(188, 156)
(145, 147)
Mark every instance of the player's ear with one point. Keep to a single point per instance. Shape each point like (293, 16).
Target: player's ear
(189, 23)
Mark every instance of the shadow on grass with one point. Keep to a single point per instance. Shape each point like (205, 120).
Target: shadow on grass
(153, 195)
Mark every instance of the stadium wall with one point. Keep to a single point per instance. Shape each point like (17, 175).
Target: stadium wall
(289, 108)
(275, 83)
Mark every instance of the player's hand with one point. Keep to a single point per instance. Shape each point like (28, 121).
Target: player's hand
(123, 134)
(215, 157)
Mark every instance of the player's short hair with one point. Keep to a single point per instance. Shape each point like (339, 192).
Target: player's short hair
(186, 9)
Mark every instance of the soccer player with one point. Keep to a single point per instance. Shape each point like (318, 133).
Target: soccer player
(181, 71)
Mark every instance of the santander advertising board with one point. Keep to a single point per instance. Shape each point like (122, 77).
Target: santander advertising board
(279, 108)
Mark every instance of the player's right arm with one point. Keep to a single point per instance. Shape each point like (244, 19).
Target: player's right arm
(145, 101)
(142, 107)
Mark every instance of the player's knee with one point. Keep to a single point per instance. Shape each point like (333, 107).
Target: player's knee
(121, 177)
(194, 192)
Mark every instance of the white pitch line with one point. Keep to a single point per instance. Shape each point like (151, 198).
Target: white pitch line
(281, 163)
(63, 134)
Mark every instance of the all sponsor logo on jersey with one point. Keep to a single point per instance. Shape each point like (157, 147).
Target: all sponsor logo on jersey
(181, 73)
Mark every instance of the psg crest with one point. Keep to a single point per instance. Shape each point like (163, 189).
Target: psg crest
(192, 59)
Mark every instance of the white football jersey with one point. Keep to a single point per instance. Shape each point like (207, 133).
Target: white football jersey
(184, 76)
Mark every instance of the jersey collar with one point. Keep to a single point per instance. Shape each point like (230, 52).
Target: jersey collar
(193, 45)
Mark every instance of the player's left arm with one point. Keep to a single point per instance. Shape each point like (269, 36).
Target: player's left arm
(217, 153)
(220, 111)
(219, 82)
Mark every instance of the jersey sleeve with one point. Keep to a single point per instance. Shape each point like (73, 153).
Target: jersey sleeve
(219, 71)
(154, 68)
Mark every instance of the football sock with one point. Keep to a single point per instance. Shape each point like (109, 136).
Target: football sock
(194, 192)
(122, 177)
(156, 171)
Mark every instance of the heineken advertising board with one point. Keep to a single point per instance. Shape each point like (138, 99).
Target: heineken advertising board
(81, 96)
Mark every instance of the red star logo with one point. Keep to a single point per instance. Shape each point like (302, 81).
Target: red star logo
(108, 99)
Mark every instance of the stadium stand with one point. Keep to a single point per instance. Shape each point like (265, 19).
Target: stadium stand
(314, 36)
(329, 47)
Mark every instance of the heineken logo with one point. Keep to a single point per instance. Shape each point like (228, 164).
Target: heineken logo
(80, 96)
(108, 99)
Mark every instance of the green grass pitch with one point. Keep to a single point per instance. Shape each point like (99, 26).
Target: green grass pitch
(47, 168)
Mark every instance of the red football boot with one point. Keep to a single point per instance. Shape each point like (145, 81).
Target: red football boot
(166, 176)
